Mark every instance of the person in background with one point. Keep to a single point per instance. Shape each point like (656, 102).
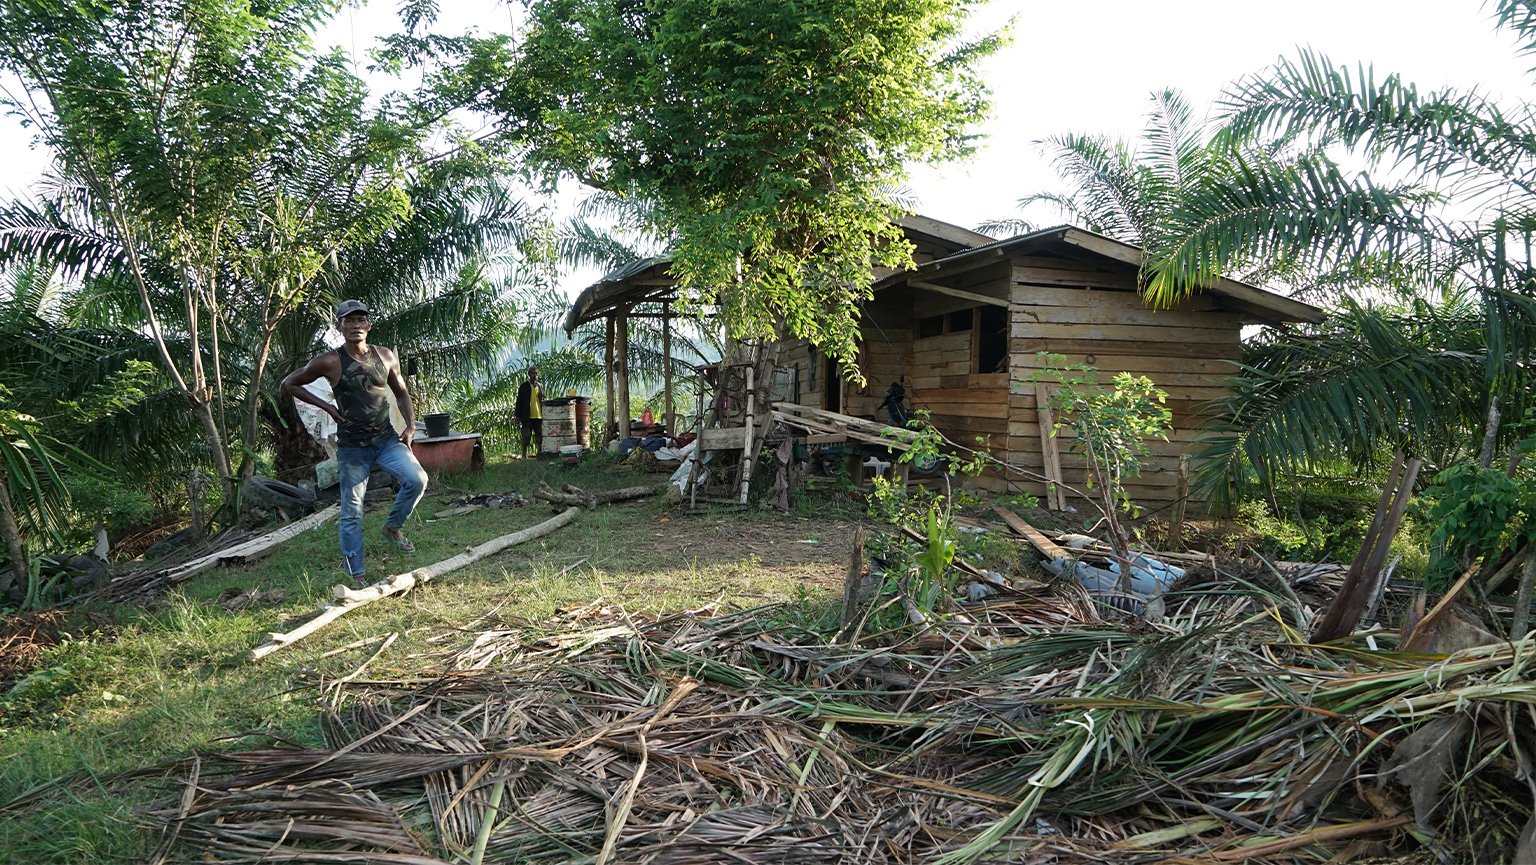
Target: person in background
(895, 395)
(530, 413)
(362, 376)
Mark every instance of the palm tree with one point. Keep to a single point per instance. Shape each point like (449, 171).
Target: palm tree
(1450, 145)
(1146, 192)
(608, 231)
(1122, 189)
(61, 387)
(1372, 378)
(444, 287)
(232, 168)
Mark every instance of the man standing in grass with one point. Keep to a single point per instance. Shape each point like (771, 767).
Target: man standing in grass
(361, 377)
(530, 413)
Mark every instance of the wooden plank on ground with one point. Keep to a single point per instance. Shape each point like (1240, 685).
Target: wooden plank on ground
(1042, 543)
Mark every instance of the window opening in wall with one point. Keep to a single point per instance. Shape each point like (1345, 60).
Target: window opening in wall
(960, 320)
(786, 384)
(933, 325)
(992, 340)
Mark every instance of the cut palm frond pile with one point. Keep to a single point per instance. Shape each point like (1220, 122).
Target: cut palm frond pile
(1024, 735)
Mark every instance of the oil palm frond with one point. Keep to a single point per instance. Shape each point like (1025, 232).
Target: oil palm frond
(1368, 378)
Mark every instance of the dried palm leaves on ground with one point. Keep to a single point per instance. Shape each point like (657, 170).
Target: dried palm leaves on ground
(1033, 733)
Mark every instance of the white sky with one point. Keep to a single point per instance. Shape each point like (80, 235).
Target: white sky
(1089, 67)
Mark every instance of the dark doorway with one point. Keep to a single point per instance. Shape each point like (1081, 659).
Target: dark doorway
(992, 340)
(832, 399)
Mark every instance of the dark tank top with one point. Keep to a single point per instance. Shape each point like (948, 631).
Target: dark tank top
(362, 395)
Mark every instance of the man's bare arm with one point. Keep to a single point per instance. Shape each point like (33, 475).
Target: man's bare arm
(320, 367)
(402, 396)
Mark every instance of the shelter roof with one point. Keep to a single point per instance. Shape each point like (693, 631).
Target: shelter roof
(643, 281)
(1261, 306)
(649, 280)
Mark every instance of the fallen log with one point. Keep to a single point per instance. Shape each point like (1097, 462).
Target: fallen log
(241, 553)
(576, 497)
(348, 599)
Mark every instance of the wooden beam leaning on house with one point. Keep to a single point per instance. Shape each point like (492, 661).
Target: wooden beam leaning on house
(960, 293)
(1056, 494)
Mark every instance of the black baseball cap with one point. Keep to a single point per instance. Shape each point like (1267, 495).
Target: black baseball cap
(348, 307)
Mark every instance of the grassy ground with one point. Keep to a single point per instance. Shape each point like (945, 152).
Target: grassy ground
(164, 682)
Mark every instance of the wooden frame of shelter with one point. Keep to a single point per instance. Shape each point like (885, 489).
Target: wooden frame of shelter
(961, 331)
(616, 298)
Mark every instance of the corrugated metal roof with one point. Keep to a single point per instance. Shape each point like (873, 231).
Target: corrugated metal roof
(615, 288)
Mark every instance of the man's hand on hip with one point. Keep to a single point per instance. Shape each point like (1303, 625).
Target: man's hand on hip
(407, 434)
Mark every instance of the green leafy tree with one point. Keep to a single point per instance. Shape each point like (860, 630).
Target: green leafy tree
(224, 168)
(160, 111)
(1477, 514)
(766, 134)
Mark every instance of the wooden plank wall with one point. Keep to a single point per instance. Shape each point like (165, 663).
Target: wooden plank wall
(966, 405)
(886, 358)
(1093, 315)
(1089, 312)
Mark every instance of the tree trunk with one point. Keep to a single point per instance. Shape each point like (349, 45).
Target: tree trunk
(254, 402)
(20, 567)
(1490, 433)
(1522, 613)
(297, 452)
(204, 412)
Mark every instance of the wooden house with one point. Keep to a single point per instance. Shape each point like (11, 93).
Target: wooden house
(962, 332)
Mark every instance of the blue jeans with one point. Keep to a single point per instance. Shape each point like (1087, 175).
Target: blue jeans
(354, 466)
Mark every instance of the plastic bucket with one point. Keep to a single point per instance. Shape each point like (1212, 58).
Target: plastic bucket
(437, 424)
(570, 454)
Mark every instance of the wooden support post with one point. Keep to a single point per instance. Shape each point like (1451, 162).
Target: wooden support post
(746, 449)
(666, 367)
(1176, 523)
(697, 461)
(621, 349)
(853, 587)
(1050, 455)
(610, 407)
